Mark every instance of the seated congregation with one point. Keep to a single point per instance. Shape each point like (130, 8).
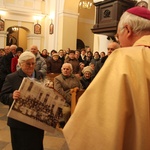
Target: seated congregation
(67, 71)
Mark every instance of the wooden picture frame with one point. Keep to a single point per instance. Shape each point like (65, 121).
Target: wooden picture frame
(2, 25)
(37, 29)
(51, 28)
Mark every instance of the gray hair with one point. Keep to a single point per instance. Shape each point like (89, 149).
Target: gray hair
(69, 64)
(13, 46)
(137, 23)
(114, 44)
(26, 56)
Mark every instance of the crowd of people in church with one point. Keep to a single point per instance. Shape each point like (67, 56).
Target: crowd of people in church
(79, 59)
(85, 64)
(75, 68)
(118, 120)
(51, 62)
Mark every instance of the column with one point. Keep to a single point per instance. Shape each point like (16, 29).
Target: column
(3, 36)
(67, 30)
(33, 39)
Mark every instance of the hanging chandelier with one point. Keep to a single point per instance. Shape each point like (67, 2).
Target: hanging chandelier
(15, 28)
(85, 4)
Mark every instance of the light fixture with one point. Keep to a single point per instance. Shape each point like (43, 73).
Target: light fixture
(37, 26)
(37, 18)
(87, 4)
(2, 13)
(15, 28)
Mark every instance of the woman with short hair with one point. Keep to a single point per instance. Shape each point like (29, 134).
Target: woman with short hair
(23, 136)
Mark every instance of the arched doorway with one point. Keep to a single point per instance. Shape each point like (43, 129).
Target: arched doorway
(17, 35)
(80, 44)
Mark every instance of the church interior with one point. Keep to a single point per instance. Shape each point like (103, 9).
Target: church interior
(55, 25)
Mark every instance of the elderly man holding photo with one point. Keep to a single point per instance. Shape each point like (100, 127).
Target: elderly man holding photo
(23, 136)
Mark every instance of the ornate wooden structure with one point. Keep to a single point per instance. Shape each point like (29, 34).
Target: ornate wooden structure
(108, 13)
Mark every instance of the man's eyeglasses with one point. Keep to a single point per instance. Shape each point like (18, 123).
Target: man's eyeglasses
(29, 64)
(112, 49)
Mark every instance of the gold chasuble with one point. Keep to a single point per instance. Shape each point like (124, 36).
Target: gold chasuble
(114, 111)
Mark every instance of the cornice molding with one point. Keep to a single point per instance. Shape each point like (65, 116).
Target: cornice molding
(69, 14)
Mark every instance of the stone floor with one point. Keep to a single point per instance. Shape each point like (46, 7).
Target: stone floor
(52, 141)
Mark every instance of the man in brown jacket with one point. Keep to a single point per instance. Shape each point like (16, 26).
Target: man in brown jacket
(63, 83)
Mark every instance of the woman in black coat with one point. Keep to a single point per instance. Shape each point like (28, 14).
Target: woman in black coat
(23, 136)
(86, 79)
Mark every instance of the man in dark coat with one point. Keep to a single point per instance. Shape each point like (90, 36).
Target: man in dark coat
(5, 67)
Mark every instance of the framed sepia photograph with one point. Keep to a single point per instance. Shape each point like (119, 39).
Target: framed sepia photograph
(37, 29)
(39, 106)
(2, 24)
